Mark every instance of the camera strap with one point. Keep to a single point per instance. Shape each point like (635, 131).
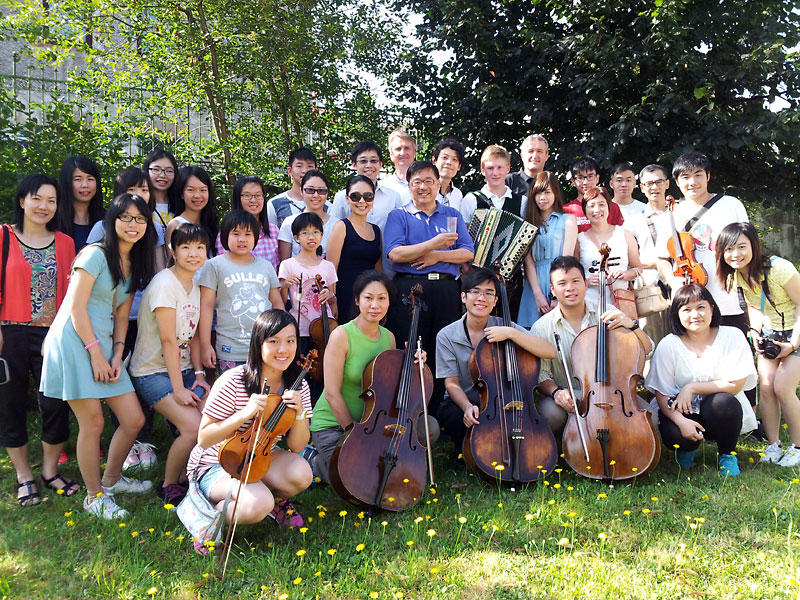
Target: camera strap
(765, 294)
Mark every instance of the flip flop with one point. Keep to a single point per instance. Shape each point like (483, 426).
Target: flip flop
(69, 487)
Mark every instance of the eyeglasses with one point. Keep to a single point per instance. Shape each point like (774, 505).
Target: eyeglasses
(248, 197)
(315, 191)
(584, 178)
(489, 295)
(141, 220)
(358, 196)
(416, 183)
(654, 183)
(160, 171)
(315, 233)
(363, 161)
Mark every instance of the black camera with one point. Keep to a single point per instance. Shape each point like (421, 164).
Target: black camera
(767, 343)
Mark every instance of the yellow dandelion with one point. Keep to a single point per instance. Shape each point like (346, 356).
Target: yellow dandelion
(588, 467)
(283, 597)
(321, 514)
(410, 543)
(435, 500)
(169, 506)
(152, 591)
(551, 502)
(733, 452)
(751, 460)
(360, 547)
(361, 515)
(68, 513)
(462, 520)
(70, 523)
(384, 523)
(460, 456)
(153, 572)
(556, 486)
(430, 532)
(602, 536)
(331, 551)
(529, 517)
(405, 480)
(418, 519)
(602, 495)
(692, 525)
(373, 594)
(60, 492)
(134, 533)
(700, 519)
(626, 512)
(167, 533)
(434, 570)
(121, 525)
(545, 482)
(612, 463)
(342, 513)
(654, 498)
(303, 529)
(646, 511)
(433, 491)
(494, 462)
(499, 505)
(704, 497)
(634, 469)
(795, 480)
(151, 530)
(563, 541)
(499, 468)
(390, 499)
(570, 488)
(571, 514)
(300, 552)
(297, 580)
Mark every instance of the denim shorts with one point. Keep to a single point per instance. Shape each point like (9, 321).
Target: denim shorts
(154, 388)
(209, 478)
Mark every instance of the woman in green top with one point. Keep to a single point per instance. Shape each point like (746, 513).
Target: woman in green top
(771, 287)
(350, 349)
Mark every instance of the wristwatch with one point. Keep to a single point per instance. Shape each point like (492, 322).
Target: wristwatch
(635, 325)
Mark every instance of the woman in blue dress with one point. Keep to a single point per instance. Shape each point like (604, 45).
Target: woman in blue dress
(83, 349)
(556, 237)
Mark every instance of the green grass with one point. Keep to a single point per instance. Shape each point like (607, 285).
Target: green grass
(670, 535)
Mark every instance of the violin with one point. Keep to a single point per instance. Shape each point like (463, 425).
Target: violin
(379, 462)
(249, 454)
(681, 248)
(320, 331)
(512, 443)
(608, 436)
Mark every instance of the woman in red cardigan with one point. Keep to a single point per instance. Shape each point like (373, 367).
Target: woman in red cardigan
(33, 281)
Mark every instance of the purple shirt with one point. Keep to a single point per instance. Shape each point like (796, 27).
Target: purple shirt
(408, 226)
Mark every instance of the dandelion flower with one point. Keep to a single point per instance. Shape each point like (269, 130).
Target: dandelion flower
(169, 506)
(360, 547)
(410, 543)
(303, 529)
(360, 515)
(152, 591)
(433, 491)
(342, 513)
(646, 511)
(384, 523)
(134, 533)
(499, 505)
(283, 597)
(570, 488)
(121, 525)
(601, 495)
(602, 536)
(654, 498)
(551, 502)
(529, 517)
(300, 552)
(499, 468)
(430, 532)
(563, 541)
(373, 594)
(68, 513)
(556, 486)
(297, 580)
(434, 570)
(626, 512)
(331, 551)
(151, 530)
(70, 523)
(322, 514)
(60, 492)
(462, 520)
(418, 519)
(167, 533)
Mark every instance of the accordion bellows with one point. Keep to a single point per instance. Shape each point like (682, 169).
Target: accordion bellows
(500, 236)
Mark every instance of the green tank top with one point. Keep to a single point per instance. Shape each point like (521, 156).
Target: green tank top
(362, 351)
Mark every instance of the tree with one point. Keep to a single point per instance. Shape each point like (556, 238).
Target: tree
(640, 81)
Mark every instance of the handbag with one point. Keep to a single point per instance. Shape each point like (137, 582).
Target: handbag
(203, 521)
(649, 298)
(625, 300)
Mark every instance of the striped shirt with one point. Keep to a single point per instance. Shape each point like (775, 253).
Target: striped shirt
(227, 397)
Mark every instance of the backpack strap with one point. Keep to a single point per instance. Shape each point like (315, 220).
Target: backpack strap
(481, 200)
(703, 210)
(651, 226)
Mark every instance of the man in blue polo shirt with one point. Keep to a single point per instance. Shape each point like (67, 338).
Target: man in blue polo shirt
(427, 242)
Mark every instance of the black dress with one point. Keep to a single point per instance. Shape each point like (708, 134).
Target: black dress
(357, 256)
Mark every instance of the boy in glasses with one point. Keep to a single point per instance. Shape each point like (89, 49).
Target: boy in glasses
(290, 202)
(454, 346)
(586, 175)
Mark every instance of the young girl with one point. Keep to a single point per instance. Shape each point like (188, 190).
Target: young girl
(350, 349)
(83, 349)
(315, 193)
(161, 168)
(240, 287)
(556, 237)
(771, 288)
(83, 198)
(697, 374)
(35, 275)
(248, 195)
(297, 275)
(233, 402)
(165, 367)
(195, 202)
(354, 245)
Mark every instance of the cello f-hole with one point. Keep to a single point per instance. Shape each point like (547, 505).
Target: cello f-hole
(374, 425)
(622, 403)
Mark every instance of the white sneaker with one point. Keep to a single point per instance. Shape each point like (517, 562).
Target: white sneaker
(132, 460)
(104, 507)
(772, 453)
(147, 456)
(791, 458)
(129, 486)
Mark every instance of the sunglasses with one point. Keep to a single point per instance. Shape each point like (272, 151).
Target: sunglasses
(357, 196)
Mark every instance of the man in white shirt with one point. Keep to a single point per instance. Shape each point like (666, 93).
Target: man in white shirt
(495, 165)
(402, 152)
(622, 181)
(448, 156)
(290, 202)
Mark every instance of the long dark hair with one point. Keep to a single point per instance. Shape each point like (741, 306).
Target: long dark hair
(142, 255)
(155, 155)
(208, 216)
(236, 199)
(267, 324)
(691, 293)
(544, 180)
(364, 279)
(30, 185)
(67, 210)
(755, 270)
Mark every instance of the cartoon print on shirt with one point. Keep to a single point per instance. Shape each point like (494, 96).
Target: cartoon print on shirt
(186, 328)
(704, 238)
(247, 304)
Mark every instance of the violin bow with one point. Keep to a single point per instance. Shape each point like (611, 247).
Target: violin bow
(223, 559)
(563, 358)
(428, 450)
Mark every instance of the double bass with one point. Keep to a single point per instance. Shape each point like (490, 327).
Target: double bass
(249, 454)
(320, 331)
(379, 462)
(511, 443)
(681, 249)
(608, 436)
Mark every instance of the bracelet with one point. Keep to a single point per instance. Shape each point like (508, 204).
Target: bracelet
(90, 344)
(203, 373)
(119, 343)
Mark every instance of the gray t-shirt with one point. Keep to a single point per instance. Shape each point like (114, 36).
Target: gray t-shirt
(242, 295)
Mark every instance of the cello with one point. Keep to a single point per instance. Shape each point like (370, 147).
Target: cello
(249, 454)
(681, 249)
(608, 436)
(379, 462)
(320, 331)
(512, 443)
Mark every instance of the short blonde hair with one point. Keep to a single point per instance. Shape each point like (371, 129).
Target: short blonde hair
(403, 135)
(495, 151)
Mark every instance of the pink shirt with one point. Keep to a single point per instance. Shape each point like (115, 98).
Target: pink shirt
(305, 301)
(266, 247)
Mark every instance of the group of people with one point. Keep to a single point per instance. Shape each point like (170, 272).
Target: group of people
(152, 305)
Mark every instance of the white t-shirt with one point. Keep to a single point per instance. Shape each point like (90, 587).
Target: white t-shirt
(453, 198)
(705, 232)
(728, 359)
(285, 234)
(629, 210)
(164, 291)
(401, 187)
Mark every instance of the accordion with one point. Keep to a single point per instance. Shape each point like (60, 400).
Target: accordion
(500, 236)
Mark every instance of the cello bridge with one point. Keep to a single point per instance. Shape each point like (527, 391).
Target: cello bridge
(394, 428)
(513, 405)
(603, 404)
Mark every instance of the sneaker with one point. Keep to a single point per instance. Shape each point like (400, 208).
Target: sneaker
(728, 465)
(104, 506)
(127, 485)
(685, 458)
(286, 515)
(172, 493)
(147, 455)
(62, 458)
(309, 452)
(132, 460)
(772, 453)
(791, 458)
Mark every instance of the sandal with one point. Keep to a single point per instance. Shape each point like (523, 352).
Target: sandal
(59, 482)
(32, 497)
